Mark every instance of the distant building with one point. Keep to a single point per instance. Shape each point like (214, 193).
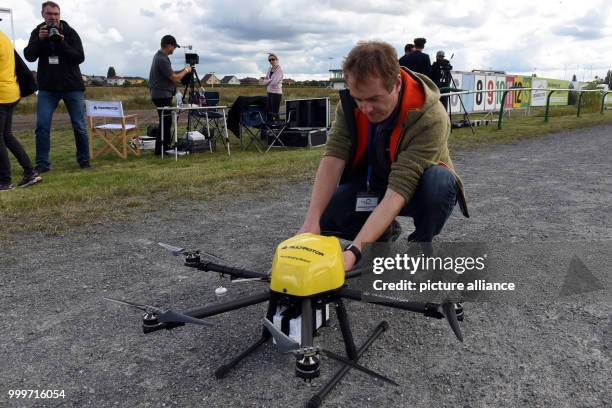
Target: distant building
(230, 80)
(336, 79)
(94, 80)
(134, 80)
(210, 79)
(115, 81)
(288, 81)
(488, 72)
(249, 81)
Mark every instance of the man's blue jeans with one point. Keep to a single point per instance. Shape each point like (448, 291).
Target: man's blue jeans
(430, 207)
(47, 102)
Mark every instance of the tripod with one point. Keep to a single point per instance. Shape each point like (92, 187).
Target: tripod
(466, 116)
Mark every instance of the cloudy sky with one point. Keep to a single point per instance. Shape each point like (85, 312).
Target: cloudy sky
(552, 38)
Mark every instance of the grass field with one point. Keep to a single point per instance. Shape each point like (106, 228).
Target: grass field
(139, 98)
(116, 189)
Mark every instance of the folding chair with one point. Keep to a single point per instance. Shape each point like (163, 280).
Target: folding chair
(268, 130)
(118, 136)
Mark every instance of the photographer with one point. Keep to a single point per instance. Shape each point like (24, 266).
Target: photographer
(59, 51)
(440, 74)
(162, 85)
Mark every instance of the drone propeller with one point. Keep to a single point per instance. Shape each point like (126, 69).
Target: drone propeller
(168, 316)
(286, 344)
(176, 251)
(448, 310)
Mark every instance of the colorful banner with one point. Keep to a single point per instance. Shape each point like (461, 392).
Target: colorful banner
(509, 101)
(490, 97)
(558, 98)
(526, 97)
(500, 83)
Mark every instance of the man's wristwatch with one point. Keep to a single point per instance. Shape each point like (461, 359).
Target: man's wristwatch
(355, 251)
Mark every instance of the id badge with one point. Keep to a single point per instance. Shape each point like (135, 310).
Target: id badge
(366, 202)
(53, 60)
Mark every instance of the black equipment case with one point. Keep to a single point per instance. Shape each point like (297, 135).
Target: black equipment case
(304, 137)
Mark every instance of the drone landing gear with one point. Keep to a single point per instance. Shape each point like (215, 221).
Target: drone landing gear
(351, 351)
(265, 335)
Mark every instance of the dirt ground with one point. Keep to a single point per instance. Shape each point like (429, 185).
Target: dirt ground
(58, 333)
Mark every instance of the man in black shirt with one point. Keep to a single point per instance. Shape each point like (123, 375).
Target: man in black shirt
(162, 85)
(407, 50)
(440, 74)
(417, 60)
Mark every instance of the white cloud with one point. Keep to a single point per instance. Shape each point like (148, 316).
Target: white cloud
(311, 36)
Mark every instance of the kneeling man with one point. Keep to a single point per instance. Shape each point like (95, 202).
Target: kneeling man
(387, 155)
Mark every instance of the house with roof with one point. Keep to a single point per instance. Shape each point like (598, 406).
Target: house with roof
(210, 79)
(230, 80)
(249, 81)
(115, 80)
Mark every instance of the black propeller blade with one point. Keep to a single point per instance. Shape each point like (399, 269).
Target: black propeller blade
(168, 316)
(448, 310)
(286, 344)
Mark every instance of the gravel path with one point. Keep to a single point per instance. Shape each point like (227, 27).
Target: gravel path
(57, 333)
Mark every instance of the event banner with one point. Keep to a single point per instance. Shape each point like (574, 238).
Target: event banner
(509, 101)
(558, 98)
(500, 83)
(479, 97)
(455, 103)
(538, 95)
(490, 97)
(468, 84)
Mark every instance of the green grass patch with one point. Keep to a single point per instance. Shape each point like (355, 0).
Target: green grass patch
(115, 189)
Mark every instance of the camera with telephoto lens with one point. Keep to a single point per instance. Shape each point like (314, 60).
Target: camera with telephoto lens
(446, 66)
(191, 58)
(54, 34)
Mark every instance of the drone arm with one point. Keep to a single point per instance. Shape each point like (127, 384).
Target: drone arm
(428, 309)
(227, 270)
(218, 308)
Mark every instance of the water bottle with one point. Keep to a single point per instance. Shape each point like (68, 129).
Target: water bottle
(179, 99)
(202, 97)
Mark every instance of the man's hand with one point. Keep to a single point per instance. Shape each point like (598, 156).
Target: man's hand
(349, 260)
(188, 69)
(312, 227)
(43, 33)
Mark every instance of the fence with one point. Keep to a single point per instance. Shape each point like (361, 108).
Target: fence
(501, 102)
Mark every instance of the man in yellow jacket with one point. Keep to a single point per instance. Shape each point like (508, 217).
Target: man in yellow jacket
(9, 97)
(387, 155)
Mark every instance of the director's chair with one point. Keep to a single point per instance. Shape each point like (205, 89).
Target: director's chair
(118, 136)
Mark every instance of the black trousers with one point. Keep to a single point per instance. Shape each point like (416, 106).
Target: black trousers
(273, 105)
(8, 142)
(160, 102)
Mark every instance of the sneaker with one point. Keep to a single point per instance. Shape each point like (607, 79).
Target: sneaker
(5, 187)
(85, 165)
(29, 179)
(41, 168)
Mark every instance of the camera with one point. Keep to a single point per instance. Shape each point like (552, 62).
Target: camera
(54, 34)
(191, 58)
(446, 66)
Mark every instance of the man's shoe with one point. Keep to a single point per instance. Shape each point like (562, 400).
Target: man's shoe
(28, 179)
(85, 165)
(6, 187)
(40, 168)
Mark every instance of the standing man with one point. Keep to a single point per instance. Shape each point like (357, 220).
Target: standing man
(59, 51)
(387, 155)
(417, 60)
(440, 74)
(408, 48)
(162, 85)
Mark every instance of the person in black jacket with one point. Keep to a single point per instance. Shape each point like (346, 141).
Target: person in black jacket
(59, 51)
(408, 48)
(440, 74)
(417, 60)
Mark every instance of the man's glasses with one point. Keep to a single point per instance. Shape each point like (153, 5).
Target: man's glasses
(271, 59)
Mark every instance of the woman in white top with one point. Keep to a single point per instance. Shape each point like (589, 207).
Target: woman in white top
(274, 86)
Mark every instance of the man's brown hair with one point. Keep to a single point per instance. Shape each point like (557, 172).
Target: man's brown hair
(372, 58)
(49, 4)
